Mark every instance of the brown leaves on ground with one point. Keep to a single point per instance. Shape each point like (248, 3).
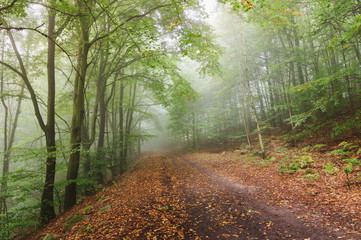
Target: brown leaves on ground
(141, 204)
(313, 193)
(217, 196)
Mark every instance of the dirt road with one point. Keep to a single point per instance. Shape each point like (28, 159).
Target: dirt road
(167, 196)
(218, 208)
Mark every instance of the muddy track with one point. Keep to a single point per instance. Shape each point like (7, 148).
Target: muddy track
(221, 209)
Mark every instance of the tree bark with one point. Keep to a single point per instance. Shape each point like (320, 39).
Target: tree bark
(78, 105)
(47, 211)
(250, 95)
(101, 89)
(5, 170)
(122, 162)
(129, 120)
(244, 108)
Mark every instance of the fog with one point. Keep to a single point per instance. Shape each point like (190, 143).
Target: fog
(85, 89)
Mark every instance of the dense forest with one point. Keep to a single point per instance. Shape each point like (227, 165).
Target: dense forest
(85, 84)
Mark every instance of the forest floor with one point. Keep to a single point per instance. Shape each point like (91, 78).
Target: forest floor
(228, 195)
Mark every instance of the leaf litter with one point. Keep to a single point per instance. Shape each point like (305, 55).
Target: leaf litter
(198, 196)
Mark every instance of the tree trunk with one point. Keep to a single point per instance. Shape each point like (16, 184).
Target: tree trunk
(122, 163)
(298, 55)
(271, 93)
(129, 119)
(250, 95)
(47, 199)
(193, 132)
(78, 106)
(260, 97)
(101, 89)
(5, 170)
(47, 203)
(244, 109)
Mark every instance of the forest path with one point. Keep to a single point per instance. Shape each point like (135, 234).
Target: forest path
(168, 196)
(218, 208)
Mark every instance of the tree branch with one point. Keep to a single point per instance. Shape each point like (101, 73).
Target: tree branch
(55, 9)
(12, 69)
(8, 6)
(28, 84)
(43, 34)
(127, 20)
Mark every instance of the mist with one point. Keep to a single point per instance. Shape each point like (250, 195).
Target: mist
(88, 87)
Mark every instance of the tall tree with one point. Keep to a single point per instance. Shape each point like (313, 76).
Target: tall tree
(247, 80)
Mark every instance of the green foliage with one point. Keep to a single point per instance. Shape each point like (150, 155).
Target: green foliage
(352, 123)
(347, 149)
(288, 167)
(87, 208)
(341, 151)
(50, 237)
(299, 119)
(266, 128)
(105, 208)
(245, 6)
(297, 164)
(311, 177)
(350, 167)
(17, 9)
(305, 161)
(271, 159)
(295, 137)
(20, 218)
(87, 228)
(24, 188)
(308, 147)
(329, 168)
(318, 146)
(198, 46)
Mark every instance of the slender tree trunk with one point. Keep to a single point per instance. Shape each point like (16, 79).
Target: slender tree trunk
(350, 90)
(101, 89)
(292, 63)
(193, 132)
(250, 95)
(129, 118)
(357, 53)
(260, 97)
(272, 112)
(245, 113)
(5, 169)
(315, 58)
(122, 162)
(114, 128)
(283, 75)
